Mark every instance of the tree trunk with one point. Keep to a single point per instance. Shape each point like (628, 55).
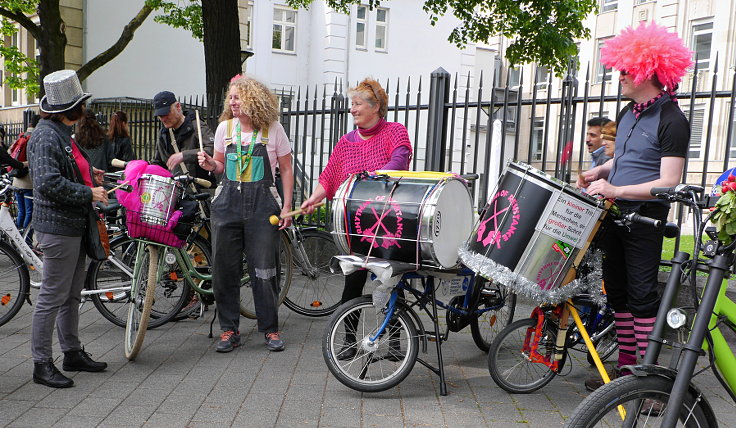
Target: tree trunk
(221, 46)
(52, 40)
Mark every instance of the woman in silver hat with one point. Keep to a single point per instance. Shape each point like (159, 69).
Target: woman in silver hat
(65, 188)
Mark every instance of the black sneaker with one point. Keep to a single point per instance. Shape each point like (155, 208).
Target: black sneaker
(229, 340)
(274, 342)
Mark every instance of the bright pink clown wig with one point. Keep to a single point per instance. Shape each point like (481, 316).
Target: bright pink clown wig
(648, 50)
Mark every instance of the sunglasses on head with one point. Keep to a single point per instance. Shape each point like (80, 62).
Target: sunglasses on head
(624, 73)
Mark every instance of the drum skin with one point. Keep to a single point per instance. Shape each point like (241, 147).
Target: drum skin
(420, 220)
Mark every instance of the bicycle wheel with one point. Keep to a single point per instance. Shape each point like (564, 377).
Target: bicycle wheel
(14, 282)
(141, 299)
(315, 291)
(486, 326)
(247, 306)
(364, 365)
(116, 272)
(177, 298)
(510, 365)
(645, 401)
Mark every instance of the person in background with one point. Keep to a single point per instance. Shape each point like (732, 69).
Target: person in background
(66, 186)
(608, 137)
(247, 149)
(650, 152)
(24, 183)
(92, 139)
(122, 147)
(594, 142)
(375, 144)
(182, 127)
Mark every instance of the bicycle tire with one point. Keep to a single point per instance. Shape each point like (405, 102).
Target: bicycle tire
(315, 292)
(141, 301)
(486, 326)
(506, 359)
(14, 282)
(601, 407)
(199, 252)
(370, 370)
(247, 305)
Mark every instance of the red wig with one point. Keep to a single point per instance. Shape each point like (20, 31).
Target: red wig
(646, 51)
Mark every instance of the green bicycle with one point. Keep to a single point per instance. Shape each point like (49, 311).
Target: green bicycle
(664, 395)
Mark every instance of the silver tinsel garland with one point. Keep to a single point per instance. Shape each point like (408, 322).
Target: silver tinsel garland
(516, 283)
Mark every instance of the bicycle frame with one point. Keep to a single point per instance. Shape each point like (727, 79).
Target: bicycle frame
(8, 228)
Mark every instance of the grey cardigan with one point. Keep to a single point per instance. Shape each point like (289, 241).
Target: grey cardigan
(60, 203)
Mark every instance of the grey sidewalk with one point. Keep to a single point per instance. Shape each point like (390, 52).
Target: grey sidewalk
(178, 380)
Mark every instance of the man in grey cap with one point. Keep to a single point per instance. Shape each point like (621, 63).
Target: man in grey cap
(178, 141)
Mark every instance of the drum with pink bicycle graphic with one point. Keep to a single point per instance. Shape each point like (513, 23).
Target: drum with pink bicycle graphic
(533, 230)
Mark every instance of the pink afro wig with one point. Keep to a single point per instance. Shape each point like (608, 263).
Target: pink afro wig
(648, 50)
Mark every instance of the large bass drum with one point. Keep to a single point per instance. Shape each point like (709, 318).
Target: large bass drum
(414, 217)
(532, 233)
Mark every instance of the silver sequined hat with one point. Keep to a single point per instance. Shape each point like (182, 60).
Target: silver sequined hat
(63, 92)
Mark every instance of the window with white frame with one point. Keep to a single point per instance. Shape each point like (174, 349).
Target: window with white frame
(696, 132)
(537, 139)
(514, 78)
(361, 26)
(284, 30)
(247, 32)
(541, 77)
(600, 68)
(701, 44)
(609, 5)
(381, 28)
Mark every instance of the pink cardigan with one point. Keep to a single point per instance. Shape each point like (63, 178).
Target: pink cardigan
(364, 155)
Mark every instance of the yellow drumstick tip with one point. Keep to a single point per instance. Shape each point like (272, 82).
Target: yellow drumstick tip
(274, 220)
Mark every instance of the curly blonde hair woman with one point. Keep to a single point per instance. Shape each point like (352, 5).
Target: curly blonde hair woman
(248, 146)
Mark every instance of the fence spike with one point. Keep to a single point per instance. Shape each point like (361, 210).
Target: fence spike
(715, 66)
(480, 81)
(408, 85)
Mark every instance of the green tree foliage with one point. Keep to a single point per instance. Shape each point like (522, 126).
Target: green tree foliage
(20, 70)
(187, 17)
(541, 31)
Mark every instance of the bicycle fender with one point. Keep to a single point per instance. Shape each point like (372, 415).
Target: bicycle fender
(643, 370)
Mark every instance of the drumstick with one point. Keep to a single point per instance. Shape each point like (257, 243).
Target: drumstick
(274, 219)
(199, 131)
(118, 186)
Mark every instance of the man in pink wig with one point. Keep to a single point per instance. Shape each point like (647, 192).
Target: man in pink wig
(651, 146)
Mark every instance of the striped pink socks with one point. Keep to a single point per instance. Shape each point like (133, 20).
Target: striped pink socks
(624, 323)
(642, 328)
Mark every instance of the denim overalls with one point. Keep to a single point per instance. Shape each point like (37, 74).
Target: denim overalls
(240, 224)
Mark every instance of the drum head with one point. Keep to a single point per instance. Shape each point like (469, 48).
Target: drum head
(453, 222)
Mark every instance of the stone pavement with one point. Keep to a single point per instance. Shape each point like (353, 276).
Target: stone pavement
(179, 381)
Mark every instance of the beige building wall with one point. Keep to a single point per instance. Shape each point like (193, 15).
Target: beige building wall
(13, 102)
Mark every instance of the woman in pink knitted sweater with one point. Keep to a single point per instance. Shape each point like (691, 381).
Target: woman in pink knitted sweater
(375, 144)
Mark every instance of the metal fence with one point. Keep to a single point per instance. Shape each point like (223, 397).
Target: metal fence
(449, 123)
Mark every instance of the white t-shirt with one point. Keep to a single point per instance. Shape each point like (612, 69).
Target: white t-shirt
(278, 142)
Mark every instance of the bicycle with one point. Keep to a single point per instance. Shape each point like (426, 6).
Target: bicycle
(526, 355)
(21, 266)
(657, 395)
(387, 339)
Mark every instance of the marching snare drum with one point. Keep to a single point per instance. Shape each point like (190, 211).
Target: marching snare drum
(534, 229)
(158, 198)
(413, 217)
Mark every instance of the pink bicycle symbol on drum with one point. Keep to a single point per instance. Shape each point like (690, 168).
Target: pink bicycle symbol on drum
(547, 274)
(501, 202)
(393, 226)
